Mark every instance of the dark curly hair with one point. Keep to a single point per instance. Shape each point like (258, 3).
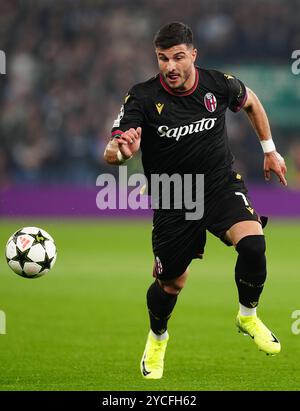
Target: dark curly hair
(172, 34)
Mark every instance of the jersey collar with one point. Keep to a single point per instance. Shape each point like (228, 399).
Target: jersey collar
(186, 93)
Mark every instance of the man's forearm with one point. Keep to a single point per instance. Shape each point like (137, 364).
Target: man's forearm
(258, 117)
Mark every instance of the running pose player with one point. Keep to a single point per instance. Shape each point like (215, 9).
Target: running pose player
(177, 118)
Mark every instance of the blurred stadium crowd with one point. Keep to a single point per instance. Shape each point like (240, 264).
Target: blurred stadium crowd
(70, 63)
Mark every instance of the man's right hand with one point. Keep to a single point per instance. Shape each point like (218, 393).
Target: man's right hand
(129, 142)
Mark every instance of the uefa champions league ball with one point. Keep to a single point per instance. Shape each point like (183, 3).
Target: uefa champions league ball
(30, 252)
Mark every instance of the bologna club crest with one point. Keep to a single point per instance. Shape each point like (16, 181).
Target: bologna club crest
(210, 102)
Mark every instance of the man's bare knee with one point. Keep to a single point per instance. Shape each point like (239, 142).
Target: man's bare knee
(175, 285)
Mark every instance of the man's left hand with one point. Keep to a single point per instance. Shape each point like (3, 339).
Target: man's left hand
(275, 163)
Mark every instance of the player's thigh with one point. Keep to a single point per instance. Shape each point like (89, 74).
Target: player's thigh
(175, 242)
(242, 229)
(235, 216)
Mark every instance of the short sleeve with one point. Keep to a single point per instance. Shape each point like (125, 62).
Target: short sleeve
(131, 115)
(237, 93)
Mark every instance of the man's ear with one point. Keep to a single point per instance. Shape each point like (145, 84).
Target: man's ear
(194, 54)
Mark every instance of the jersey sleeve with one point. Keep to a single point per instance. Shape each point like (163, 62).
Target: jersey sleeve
(237, 93)
(131, 115)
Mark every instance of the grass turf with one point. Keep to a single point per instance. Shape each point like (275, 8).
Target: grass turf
(83, 326)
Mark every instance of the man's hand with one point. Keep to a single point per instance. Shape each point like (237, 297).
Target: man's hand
(274, 162)
(129, 142)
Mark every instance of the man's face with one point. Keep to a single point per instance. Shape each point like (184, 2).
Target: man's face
(176, 64)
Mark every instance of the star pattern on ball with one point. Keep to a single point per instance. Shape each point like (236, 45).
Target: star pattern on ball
(22, 257)
(16, 235)
(46, 264)
(39, 238)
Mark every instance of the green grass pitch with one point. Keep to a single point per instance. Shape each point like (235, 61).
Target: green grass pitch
(83, 326)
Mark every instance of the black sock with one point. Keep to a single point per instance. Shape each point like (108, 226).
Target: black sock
(250, 269)
(160, 306)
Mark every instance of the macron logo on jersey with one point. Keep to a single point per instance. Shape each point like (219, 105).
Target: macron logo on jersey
(195, 127)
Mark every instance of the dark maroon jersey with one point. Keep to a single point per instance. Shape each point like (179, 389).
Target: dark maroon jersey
(184, 133)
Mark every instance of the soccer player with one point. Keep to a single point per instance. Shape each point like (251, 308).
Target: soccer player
(177, 118)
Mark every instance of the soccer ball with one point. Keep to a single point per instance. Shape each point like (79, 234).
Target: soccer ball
(30, 252)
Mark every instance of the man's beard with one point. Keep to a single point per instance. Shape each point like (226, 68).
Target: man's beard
(180, 87)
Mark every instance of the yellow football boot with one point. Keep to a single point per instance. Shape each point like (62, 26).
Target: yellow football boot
(263, 337)
(152, 363)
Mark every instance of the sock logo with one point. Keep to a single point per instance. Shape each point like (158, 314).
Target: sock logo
(254, 303)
